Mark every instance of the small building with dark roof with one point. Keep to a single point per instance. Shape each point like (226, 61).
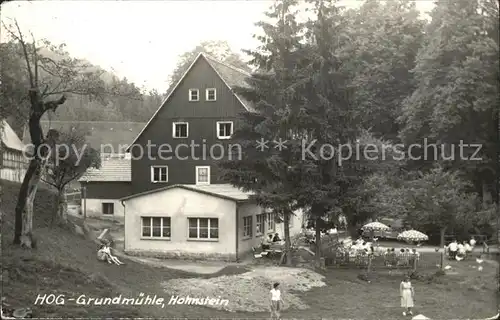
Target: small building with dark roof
(103, 188)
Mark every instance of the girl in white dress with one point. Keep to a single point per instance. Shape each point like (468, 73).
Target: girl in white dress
(407, 295)
(275, 301)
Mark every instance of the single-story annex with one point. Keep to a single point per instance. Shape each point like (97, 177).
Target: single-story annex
(197, 221)
(103, 188)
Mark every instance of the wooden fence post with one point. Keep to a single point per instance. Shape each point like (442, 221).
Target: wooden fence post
(441, 264)
(84, 190)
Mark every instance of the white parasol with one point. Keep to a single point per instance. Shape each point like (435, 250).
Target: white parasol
(375, 226)
(412, 235)
(420, 317)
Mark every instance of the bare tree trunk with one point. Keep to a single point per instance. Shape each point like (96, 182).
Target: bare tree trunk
(26, 188)
(353, 231)
(38, 107)
(286, 224)
(62, 206)
(442, 233)
(318, 239)
(24, 209)
(487, 196)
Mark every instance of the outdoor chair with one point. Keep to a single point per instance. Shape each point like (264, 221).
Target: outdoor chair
(256, 255)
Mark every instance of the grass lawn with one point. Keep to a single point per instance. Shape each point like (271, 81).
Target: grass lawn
(65, 263)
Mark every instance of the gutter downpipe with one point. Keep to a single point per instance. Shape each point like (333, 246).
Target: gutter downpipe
(237, 227)
(124, 225)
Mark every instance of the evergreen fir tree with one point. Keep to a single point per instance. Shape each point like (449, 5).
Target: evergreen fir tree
(269, 173)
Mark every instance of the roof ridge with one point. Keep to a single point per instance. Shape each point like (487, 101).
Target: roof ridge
(76, 121)
(226, 64)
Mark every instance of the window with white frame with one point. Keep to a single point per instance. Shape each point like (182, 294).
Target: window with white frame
(224, 129)
(194, 95)
(211, 94)
(203, 175)
(203, 228)
(271, 224)
(108, 208)
(260, 225)
(247, 227)
(159, 174)
(156, 227)
(180, 129)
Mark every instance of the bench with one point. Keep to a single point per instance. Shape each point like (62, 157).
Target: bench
(257, 254)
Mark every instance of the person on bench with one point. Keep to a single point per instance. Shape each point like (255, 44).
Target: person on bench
(266, 242)
(276, 237)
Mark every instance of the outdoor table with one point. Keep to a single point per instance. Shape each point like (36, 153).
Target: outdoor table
(275, 248)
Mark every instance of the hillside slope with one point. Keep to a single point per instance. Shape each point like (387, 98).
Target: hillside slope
(26, 274)
(65, 263)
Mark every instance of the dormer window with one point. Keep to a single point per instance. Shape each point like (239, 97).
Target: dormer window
(224, 129)
(211, 94)
(194, 95)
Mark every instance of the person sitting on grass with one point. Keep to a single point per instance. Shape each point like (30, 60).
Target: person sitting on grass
(453, 249)
(391, 258)
(460, 252)
(472, 242)
(105, 251)
(101, 255)
(468, 248)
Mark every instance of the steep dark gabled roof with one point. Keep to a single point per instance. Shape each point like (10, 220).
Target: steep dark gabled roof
(98, 133)
(233, 77)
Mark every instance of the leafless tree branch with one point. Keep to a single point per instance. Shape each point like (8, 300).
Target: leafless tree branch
(48, 182)
(52, 105)
(26, 55)
(35, 58)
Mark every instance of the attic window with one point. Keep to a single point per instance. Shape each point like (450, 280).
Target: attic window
(211, 94)
(194, 95)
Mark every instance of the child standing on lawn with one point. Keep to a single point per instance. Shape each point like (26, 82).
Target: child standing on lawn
(407, 296)
(275, 301)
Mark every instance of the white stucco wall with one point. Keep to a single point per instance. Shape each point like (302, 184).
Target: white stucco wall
(245, 244)
(94, 208)
(296, 222)
(180, 204)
